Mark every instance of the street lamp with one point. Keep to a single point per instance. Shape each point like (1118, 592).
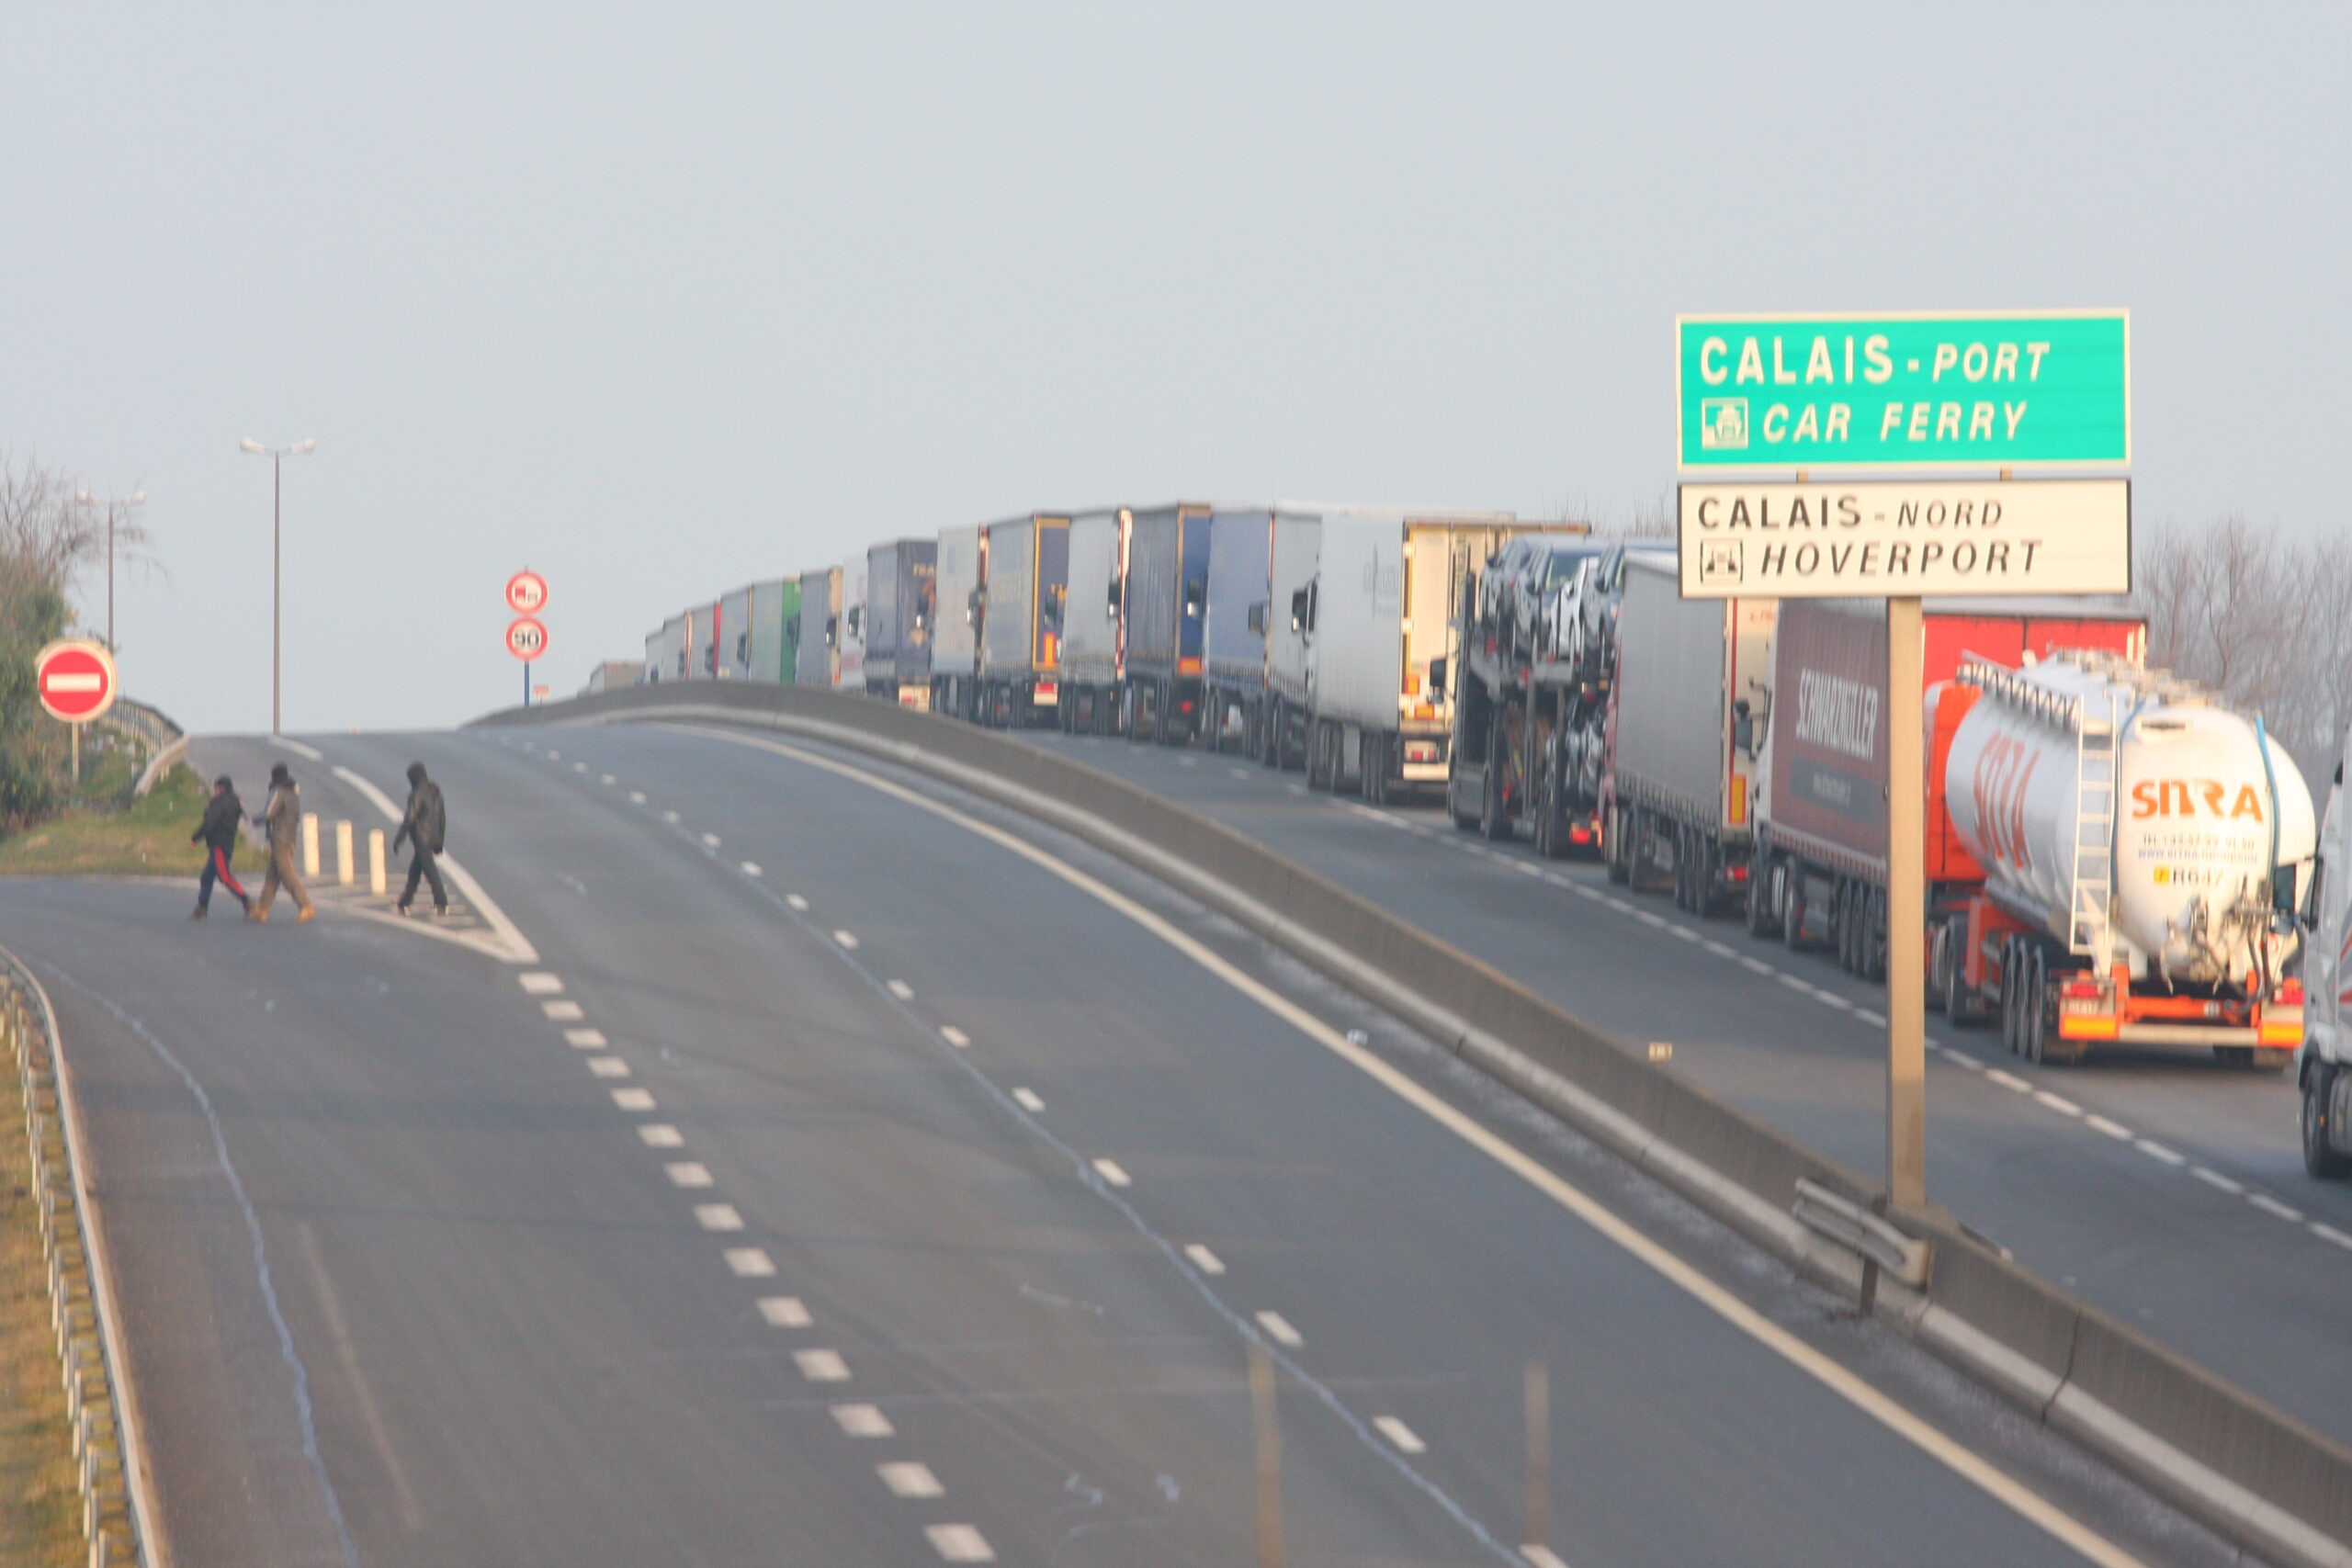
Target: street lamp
(115, 508)
(276, 456)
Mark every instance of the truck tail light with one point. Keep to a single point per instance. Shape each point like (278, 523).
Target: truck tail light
(1736, 874)
(2080, 990)
(2291, 993)
(1047, 690)
(2087, 1009)
(1421, 751)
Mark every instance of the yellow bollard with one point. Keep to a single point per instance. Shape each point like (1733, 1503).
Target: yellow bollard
(343, 870)
(310, 846)
(376, 862)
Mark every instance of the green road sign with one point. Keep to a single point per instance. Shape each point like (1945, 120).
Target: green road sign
(2017, 388)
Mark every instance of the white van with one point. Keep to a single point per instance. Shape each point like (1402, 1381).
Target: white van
(2326, 920)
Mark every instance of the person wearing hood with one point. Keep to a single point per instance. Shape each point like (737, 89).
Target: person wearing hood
(425, 827)
(283, 818)
(218, 834)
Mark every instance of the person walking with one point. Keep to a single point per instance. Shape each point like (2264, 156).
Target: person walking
(218, 834)
(425, 827)
(283, 818)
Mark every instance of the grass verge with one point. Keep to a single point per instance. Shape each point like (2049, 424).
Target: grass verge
(150, 839)
(41, 1508)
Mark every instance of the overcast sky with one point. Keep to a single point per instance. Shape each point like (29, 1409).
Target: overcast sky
(658, 301)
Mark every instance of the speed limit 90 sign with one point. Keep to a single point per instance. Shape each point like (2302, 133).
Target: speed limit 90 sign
(527, 639)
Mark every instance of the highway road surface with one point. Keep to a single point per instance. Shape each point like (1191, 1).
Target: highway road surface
(862, 1175)
(2166, 1188)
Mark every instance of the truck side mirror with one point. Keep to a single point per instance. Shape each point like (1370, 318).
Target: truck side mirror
(1196, 592)
(832, 631)
(2308, 918)
(1298, 611)
(1437, 674)
(2283, 890)
(1258, 618)
(1743, 726)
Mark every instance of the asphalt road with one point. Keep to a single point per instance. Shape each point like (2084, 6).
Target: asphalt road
(907, 1188)
(2165, 1187)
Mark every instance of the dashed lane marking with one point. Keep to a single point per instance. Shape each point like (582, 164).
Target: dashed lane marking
(959, 1543)
(1538, 1555)
(1027, 1100)
(2273, 1207)
(710, 841)
(718, 1217)
(821, 1365)
(579, 767)
(954, 1036)
(689, 1173)
(2329, 1233)
(539, 983)
(637, 798)
(1792, 983)
(800, 904)
(1278, 1330)
(606, 779)
(660, 1135)
(586, 1039)
(1205, 1260)
(562, 1011)
(1237, 772)
(2059, 1103)
(608, 1067)
(784, 1312)
(670, 817)
(910, 1478)
(1961, 1059)
(901, 990)
(2155, 1150)
(861, 1421)
(847, 939)
(1720, 949)
(2115, 1130)
(1396, 1432)
(1871, 1016)
(1755, 965)
(2215, 1178)
(749, 868)
(1110, 1171)
(633, 1099)
(750, 1263)
(2010, 1082)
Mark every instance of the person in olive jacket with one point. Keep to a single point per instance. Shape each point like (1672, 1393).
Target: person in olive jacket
(424, 827)
(283, 818)
(218, 834)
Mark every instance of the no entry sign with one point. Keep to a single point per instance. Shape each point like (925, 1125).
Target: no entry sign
(527, 639)
(527, 593)
(75, 679)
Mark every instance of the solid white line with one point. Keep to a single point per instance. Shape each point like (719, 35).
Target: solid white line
(1109, 1170)
(510, 935)
(1837, 1379)
(959, 1543)
(2212, 1177)
(800, 904)
(848, 940)
(1278, 1329)
(910, 1478)
(821, 1365)
(564, 1011)
(310, 753)
(1538, 1555)
(539, 983)
(1205, 1260)
(863, 1421)
(608, 1067)
(750, 1263)
(2115, 1130)
(954, 1036)
(750, 868)
(784, 1312)
(689, 1173)
(901, 990)
(2269, 1205)
(660, 1135)
(718, 1217)
(586, 1039)
(1027, 1100)
(633, 1099)
(1396, 1432)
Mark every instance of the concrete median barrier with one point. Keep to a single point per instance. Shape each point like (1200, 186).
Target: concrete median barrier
(2256, 1476)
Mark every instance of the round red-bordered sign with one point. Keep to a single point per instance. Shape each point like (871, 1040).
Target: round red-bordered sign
(527, 639)
(75, 679)
(527, 593)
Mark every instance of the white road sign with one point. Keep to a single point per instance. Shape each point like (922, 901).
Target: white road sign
(1906, 539)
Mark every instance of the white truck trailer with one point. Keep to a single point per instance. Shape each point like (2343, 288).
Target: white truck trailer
(2326, 921)
(955, 633)
(1092, 667)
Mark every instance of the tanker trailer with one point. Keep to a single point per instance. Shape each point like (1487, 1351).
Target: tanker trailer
(2140, 846)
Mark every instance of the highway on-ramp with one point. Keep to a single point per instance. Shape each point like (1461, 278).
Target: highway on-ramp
(2167, 1190)
(862, 1174)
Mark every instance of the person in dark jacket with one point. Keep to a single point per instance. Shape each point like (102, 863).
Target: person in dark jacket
(218, 834)
(283, 818)
(425, 827)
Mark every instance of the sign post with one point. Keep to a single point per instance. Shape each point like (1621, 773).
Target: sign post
(1953, 389)
(526, 595)
(75, 679)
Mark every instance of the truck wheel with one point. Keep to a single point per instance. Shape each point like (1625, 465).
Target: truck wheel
(2032, 1031)
(1613, 848)
(2321, 1157)
(2010, 959)
(1318, 769)
(1759, 906)
(1874, 941)
(1270, 728)
(1375, 768)
(1791, 909)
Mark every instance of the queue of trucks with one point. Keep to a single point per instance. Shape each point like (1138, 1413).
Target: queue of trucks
(2113, 856)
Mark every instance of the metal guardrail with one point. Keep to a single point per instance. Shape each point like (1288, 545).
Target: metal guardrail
(166, 743)
(80, 1304)
(2248, 1470)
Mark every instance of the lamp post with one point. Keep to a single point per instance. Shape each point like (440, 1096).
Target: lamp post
(115, 508)
(276, 456)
